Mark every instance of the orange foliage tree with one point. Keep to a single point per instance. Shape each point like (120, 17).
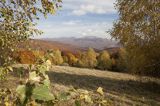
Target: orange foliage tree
(26, 57)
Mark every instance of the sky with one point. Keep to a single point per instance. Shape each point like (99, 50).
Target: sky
(80, 18)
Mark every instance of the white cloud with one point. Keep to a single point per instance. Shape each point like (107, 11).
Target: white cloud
(79, 12)
(84, 34)
(67, 29)
(64, 25)
(72, 22)
(83, 7)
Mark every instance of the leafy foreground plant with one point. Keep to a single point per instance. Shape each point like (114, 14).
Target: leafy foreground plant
(84, 98)
(37, 86)
(37, 91)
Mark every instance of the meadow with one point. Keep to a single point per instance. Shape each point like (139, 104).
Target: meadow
(119, 88)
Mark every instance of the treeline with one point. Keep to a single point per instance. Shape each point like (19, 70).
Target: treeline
(120, 60)
(103, 60)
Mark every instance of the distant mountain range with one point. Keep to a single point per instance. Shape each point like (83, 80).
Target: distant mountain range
(71, 44)
(86, 42)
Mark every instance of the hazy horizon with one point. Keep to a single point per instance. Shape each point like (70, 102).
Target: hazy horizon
(76, 37)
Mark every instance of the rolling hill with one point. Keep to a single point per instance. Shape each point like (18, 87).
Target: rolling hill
(86, 42)
(37, 44)
(71, 44)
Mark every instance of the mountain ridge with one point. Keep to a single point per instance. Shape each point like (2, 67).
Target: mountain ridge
(86, 42)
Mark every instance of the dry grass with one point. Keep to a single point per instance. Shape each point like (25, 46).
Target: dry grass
(122, 89)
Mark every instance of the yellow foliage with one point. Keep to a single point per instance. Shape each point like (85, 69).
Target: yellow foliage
(88, 59)
(100, 90)
(56, 57)
(72, 60)
(104, 60)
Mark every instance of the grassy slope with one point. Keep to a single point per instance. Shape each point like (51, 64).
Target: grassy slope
(121, 89)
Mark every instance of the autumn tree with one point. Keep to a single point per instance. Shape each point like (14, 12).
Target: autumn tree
(122, 60)
(72, 60)
(138, 29)
(38, 54)
(104, 60)
(17, 22)
(88, 59)
(65, 59)
(56, 57)
(26, 57)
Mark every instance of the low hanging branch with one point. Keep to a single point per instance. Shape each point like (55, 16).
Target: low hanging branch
(17, 22)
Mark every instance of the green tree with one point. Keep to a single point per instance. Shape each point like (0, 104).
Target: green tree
(138, 29)
(104, 60)
(17, 22)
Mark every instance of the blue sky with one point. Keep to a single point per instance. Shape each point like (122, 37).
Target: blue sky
(79, 18)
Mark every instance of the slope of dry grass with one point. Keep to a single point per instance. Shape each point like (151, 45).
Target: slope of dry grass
(121, 89)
